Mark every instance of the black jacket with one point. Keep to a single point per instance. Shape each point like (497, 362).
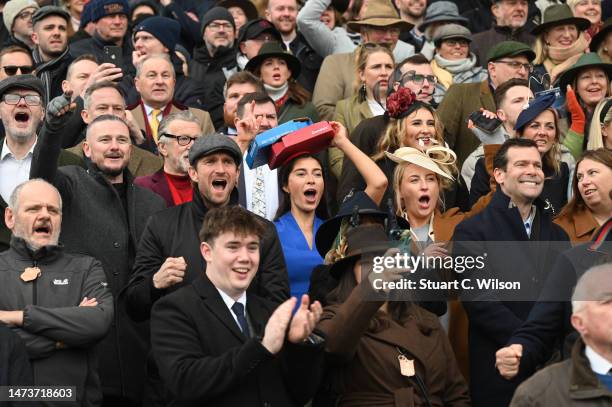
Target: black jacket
(549, 323)
(52, 314)
(484, 41)
(95, 46)
(96, 223)
(492, 321)
(15, 368)
(174, 233)
(213, 72)
(52, 72)
(205, 359)
(310, 62)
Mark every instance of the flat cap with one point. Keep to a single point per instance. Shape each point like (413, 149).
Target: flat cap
(22, 82)
(510, 49)
(214, 143)
(449, 31)
(47, 11)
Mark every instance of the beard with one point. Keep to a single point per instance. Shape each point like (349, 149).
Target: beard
(228, 118)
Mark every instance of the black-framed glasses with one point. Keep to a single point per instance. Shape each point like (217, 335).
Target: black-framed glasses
(418, 79)
(11, 70)
(181, 140)
(453, 42)
(13, 99)
(517, 65)
(25, 15)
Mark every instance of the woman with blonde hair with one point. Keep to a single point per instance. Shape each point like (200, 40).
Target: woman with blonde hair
(602, 42)
(591, 204)
(600, 132)
(560, 40)
(411, 124)
(373, 67)
(589, 9)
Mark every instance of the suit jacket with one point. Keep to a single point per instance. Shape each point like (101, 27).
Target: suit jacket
(205, 359)
(157, 183)
(142, 162)
(143, 123)
(461, 100)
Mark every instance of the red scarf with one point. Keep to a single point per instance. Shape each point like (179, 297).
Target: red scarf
(180, 188)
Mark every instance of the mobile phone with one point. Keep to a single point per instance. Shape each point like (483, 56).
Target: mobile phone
(484, 123)
(113, 55)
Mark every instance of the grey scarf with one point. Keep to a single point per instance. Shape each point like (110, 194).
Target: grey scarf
(458, 65)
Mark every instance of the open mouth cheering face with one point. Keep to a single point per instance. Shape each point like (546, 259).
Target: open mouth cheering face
(216, 175)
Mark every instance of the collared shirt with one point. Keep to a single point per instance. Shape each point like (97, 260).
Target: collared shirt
(229, 303)
(271, 188)
(149, 111)
(527, 223)
(12, 171)
(599, 364)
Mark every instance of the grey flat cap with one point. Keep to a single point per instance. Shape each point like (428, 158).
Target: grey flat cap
(451, 31)
(47, 11)
(22, 82)
(214, 143)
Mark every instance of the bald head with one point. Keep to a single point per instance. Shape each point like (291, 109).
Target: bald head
(34, 213)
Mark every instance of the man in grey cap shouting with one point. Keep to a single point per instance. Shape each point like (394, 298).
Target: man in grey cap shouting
(168, 255)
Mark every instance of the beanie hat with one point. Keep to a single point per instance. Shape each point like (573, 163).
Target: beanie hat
(103, 8)
(14, 7)
(216, 13)
(166, 30)
(85, 15)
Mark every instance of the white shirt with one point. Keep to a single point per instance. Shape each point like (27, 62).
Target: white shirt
(229, 303)
(271, 188)
(149, 111)
(12, 171)
(375, 107)
(599, 364)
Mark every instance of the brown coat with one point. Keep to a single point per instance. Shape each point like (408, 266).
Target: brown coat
(461, 100)
(207, 125)
(569, 383)
(364, 365)
(580, 226)
(141, 163)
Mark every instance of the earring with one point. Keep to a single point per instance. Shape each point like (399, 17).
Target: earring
(362, 92)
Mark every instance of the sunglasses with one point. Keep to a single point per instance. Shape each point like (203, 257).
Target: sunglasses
(11, 70)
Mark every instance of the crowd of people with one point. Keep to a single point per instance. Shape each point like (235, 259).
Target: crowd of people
(145, 260)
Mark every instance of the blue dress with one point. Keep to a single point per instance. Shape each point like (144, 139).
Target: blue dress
(299, 257)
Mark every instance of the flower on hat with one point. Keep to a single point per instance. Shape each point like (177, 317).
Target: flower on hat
(399, 102)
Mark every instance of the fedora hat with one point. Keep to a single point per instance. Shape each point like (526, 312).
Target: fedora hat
(601, 35)
(589, 60)
(442, 11)
(273, 49)
(560, 14)
(363, 239)
(380, 13)
(247, 7)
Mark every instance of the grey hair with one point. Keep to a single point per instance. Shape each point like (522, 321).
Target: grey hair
(106, 118)
(165, 57)
(13, 202)
(589, 285)
(184, 115)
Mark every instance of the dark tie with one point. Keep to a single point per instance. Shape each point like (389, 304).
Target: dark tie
(238, 309)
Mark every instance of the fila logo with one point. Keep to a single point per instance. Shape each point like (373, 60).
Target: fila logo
(57, 281)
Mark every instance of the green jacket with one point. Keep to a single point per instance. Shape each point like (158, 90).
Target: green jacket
(461, 100)
(291, 110)
(65, 158)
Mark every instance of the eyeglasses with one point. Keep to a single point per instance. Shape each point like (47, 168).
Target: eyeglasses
(181, 140)
(417, 79)
(11, 70)
(13, 99)
(517, 65)
(25, 15)
(374, 46)
(385, 30)
(220, 26)
(454, 42)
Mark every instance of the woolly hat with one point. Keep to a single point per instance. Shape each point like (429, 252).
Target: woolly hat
(103, 8)
(216, 13)
(166, 30)
(14, 7)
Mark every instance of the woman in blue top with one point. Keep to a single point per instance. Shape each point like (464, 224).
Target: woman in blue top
(301, 210)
